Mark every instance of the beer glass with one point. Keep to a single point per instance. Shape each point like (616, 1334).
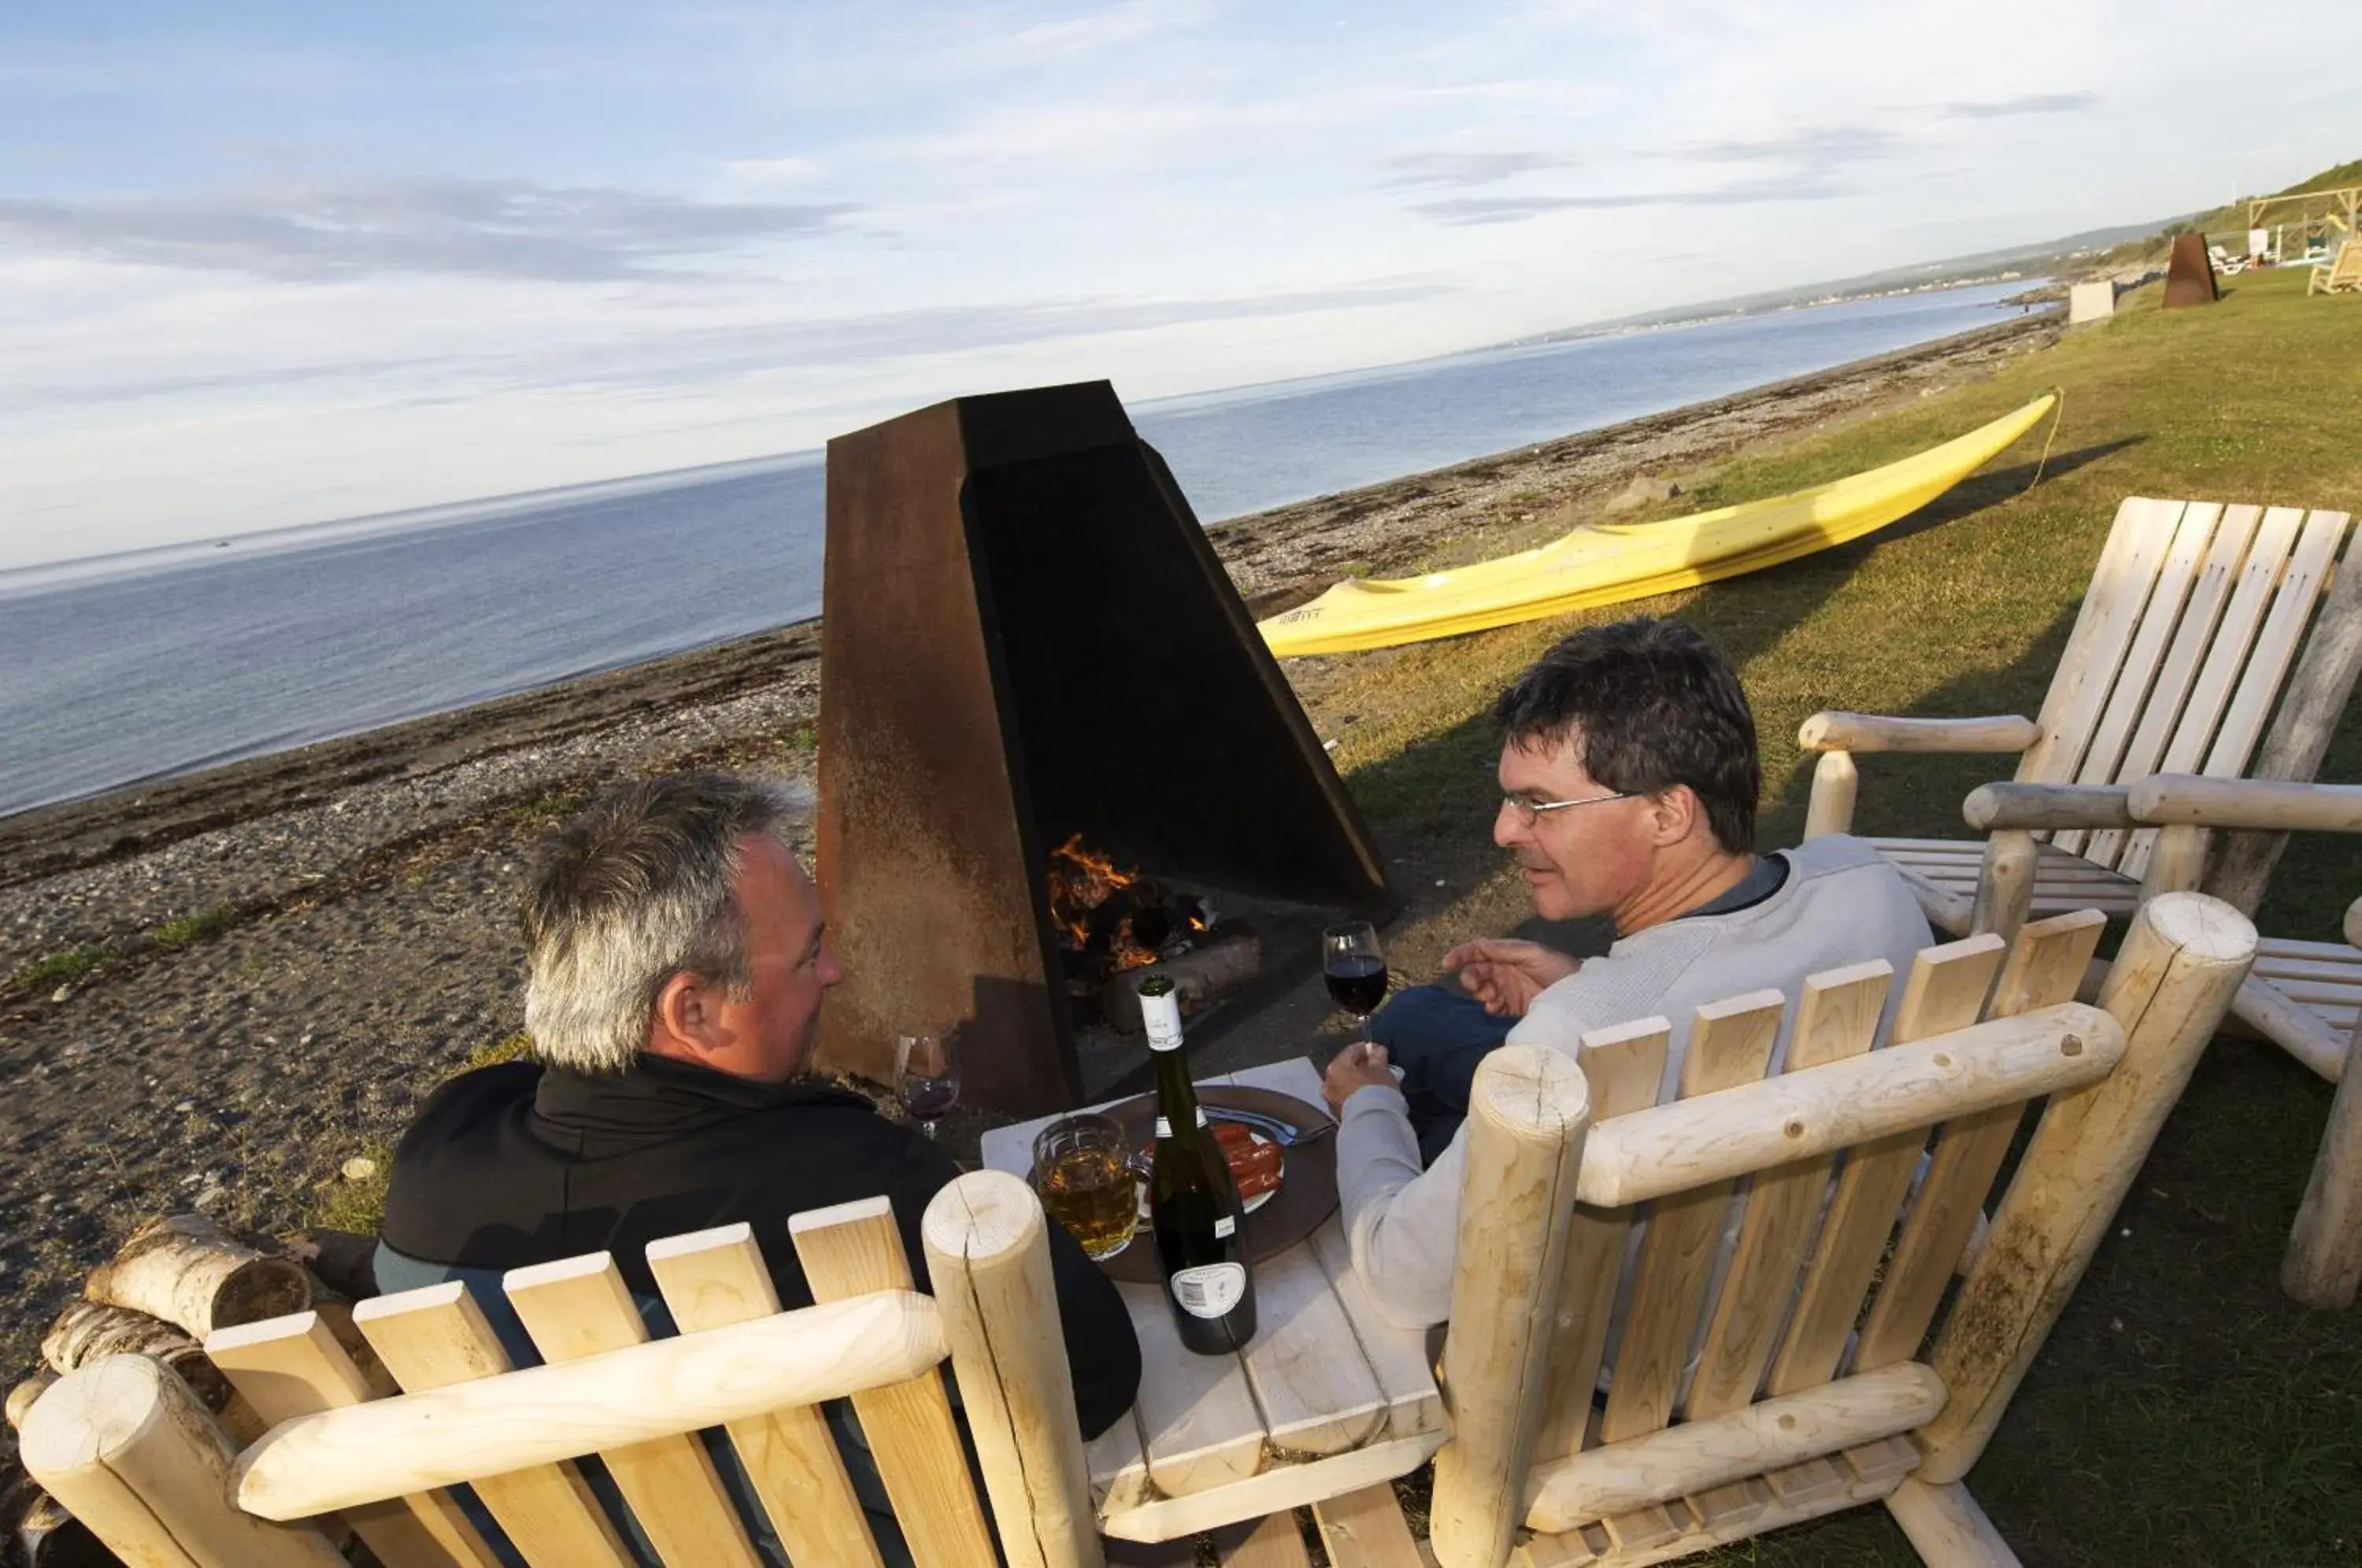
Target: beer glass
(1083, 1172)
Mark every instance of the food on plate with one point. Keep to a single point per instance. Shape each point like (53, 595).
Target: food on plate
(1255, 1167)
(1254, 1161)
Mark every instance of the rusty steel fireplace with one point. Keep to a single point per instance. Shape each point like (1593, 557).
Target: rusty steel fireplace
(1030, 652)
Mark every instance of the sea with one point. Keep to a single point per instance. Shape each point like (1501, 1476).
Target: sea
(159, 662)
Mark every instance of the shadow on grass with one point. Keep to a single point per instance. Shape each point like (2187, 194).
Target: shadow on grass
(1988, 487)
(1919, 794)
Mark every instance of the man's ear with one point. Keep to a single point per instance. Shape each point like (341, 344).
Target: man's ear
(682, 1024)
(1674, 815)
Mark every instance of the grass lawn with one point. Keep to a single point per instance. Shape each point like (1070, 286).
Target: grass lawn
(2185, 1411)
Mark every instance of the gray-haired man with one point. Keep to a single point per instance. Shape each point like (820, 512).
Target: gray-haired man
(676, 964)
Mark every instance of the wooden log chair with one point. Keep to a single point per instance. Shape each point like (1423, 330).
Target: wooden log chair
(2342, 276)
(2304, 996)
(125, 1446)
(1791, 1411)
(2184, 659)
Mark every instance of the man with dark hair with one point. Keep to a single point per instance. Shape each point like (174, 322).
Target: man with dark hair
(675, 966)
(1628, 781)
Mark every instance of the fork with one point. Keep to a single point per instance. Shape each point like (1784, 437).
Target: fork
(1286, 1134)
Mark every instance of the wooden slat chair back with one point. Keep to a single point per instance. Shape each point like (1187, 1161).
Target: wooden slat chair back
(1756, 1383)
(127, 1449)
(2342, 276)
(2214, 639)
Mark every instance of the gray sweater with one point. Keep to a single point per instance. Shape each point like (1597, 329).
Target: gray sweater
(1841, 904)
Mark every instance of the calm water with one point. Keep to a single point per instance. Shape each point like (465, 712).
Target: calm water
(181, 659)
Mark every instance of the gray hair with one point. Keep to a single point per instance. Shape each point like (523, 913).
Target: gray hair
(631, 893)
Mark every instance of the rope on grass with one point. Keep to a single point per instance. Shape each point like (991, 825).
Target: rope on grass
(2057, 414)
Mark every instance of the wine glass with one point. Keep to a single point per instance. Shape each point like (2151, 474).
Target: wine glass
(926, 1076)
(1355, 968)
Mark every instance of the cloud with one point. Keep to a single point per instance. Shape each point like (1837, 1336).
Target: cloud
(726, 345)
(771, 170)
(485, 228)
(1468, 210)
(2029, 104)
(1126, 22)
(1820, 146)
(722, 351)
(1412, 169)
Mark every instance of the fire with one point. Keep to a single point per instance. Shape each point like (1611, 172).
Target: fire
(1128, 954)
(1079, 880)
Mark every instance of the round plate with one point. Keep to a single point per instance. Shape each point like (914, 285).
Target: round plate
(1307, 1185)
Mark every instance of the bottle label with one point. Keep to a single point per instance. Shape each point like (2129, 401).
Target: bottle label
(1209, 1290)
(1162, 1015)
(1225, 1228)
(1164, 1125)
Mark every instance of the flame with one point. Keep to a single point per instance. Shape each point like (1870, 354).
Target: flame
(1080, 880)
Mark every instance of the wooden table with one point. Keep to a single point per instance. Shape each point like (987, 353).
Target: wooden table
(1326, 1399)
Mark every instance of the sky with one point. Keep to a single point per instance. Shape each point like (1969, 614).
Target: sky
(270, 264)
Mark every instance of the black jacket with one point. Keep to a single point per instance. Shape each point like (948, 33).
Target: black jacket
(517, 1163)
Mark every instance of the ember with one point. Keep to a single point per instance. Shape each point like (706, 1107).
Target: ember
(1106, 911)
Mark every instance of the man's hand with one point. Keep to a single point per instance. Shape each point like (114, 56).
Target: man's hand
(1506, 976)
(1358, 1066)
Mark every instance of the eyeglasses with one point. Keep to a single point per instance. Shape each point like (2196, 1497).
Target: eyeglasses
(1530, 812)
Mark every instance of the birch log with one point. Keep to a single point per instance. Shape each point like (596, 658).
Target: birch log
(43, 1535)
(21, 1398)
(1200, 976)
(186, 1269)
(86, 1330)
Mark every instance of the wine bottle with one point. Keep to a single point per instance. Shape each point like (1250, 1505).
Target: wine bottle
(1193, 1204)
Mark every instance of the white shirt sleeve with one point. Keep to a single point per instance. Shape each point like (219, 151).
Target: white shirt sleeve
(1401, 1223)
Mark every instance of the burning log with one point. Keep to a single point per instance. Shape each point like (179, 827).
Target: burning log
(187, 1270)
(1224, 959)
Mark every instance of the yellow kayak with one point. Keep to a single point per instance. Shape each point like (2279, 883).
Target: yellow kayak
(1606, 563)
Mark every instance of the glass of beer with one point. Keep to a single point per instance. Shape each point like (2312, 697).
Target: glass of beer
(1083, 1172)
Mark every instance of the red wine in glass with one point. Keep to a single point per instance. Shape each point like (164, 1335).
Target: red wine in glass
(926, 1079)
(1354, 967)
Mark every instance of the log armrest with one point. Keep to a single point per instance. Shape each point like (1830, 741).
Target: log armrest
(1993, 808)
(2178, 800)
(1831, 731)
